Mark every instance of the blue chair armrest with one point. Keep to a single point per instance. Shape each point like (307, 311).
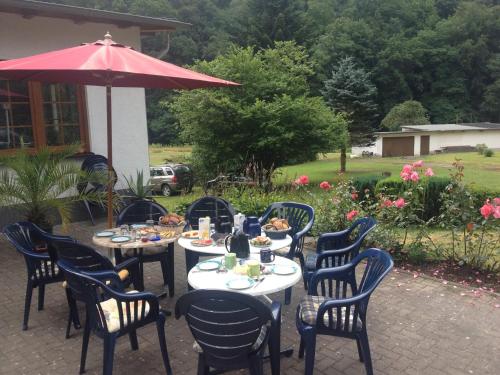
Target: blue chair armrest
(127, 263)
(40, 256)
(328, 253)
(106, 276)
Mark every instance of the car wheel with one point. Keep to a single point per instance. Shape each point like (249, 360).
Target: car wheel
(166, 191)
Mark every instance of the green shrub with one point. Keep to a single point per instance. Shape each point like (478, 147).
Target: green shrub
(480, 147)
(488, 153)
(362, 183)
(393, 186)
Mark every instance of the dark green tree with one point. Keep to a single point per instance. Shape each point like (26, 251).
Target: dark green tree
(270, 119)
(409, 112)
(351, 92)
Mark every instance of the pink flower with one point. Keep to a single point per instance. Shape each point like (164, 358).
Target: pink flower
(399, 203)
(496, 213)
(487, 210)
(429, 172)
(325, 185)
(354, 196)
(351, 215)
(496, 201)
(405, 176)
(407, 168)
(418, 164)
(302, 180)
(387, 203)
(414, 176)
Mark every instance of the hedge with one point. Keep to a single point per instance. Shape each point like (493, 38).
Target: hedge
(432, 205)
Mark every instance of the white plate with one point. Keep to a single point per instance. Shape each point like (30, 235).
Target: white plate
(105, 233)
(138, 226)
(120, 239)
(284, 270)
(240, 283)
(208, 265)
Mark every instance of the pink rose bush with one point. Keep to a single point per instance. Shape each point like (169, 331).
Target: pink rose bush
(352, 214)
(302, 180)
(325, 185)
(491, 209)
(399, 203)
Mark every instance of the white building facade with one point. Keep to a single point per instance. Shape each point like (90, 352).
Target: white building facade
(53, 115)
(415, 140)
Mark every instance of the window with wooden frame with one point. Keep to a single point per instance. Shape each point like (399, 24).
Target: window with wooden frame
(34, 115)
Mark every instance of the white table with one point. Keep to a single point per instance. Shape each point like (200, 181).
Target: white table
(271, 283)
(193, 253)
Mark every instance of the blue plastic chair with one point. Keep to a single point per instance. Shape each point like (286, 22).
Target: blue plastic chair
(111, 313)
(212, 207)
(138, 212)
(231, 330)
(338, 248)
(36, 246)
(336, 305)
(95, 164)
(300, 217)
(86, 259)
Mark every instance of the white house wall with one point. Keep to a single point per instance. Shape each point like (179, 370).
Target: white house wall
(20, 37)
(438, 140)
(469, 138)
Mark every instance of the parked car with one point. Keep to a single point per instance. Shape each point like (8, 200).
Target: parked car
(171, 178)
(223, 181)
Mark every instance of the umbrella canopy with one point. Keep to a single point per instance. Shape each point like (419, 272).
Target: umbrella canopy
(106, 63)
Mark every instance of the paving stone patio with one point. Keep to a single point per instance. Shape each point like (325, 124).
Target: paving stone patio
(416, 326)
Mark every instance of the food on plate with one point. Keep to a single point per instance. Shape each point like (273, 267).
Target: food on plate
(172, 219)
(163, 233)
(261, 241)
(277, 224)
(167, 233)
(202, 242)
(191, 234)
(240, 269)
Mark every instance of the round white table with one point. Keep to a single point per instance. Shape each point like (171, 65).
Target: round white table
(267, 284)
(193, 253)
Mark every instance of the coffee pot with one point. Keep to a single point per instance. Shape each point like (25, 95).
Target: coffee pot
(238, 243)
(251, 226)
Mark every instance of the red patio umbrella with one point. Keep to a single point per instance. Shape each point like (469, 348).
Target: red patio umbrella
(106, 63)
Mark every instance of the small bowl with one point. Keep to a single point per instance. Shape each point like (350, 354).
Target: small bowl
(276, 234)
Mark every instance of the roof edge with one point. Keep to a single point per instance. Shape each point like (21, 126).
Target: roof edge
(33, 8)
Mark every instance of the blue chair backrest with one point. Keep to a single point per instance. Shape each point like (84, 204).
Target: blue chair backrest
(378, 265)
(212, 207)
(140, 211)
(362, 226)
(26, 236)
(81, 257)
(299, 216)
(96, 164)
(225, 324)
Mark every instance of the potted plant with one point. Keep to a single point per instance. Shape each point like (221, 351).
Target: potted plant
(43, 185)
(137, 188)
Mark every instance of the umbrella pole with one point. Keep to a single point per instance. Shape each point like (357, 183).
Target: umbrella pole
(110, 155)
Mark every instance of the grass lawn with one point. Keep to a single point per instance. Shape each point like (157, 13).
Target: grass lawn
(481, 171)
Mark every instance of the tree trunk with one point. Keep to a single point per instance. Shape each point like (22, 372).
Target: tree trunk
(343, 158)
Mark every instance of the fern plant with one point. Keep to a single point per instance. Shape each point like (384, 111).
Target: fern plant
(45, 183)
